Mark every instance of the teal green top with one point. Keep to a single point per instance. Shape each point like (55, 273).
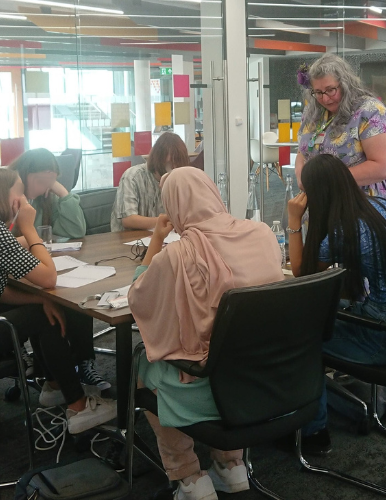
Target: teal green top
(140, 269)
(178, 404)
(67, 216)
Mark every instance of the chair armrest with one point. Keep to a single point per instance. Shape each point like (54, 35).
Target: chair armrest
(191, 367)
(361, 321)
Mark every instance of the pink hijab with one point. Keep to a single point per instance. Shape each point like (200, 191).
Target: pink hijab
(175, 301)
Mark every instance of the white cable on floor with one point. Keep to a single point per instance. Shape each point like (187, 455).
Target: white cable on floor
(56, 422)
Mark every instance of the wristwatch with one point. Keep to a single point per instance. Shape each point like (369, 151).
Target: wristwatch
(292, 231)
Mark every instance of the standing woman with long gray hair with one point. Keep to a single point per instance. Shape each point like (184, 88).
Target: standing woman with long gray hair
(344, 119)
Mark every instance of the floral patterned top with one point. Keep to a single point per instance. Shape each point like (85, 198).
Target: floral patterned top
(367, 121)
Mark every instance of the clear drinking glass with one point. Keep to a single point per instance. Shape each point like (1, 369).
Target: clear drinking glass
(45, 233)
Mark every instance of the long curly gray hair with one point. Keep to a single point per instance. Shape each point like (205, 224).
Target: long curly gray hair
(352, 90)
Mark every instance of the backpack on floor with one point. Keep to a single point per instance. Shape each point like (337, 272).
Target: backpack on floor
(85, 479)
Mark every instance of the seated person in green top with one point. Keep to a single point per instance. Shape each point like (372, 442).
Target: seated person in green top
(54, 205)
(138, 202)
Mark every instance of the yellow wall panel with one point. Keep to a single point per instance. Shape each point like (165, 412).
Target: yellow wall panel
(121, 142)
(284, 132)
(163, 113)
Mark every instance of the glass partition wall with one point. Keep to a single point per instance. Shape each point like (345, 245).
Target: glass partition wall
(108, 77)
(281, 37)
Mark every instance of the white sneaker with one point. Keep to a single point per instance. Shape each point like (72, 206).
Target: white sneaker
(229, 480)
(54, 397)
(51, 397)
(97, 412)
(202, 489)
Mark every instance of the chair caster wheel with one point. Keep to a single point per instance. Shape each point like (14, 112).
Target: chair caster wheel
(12, 393)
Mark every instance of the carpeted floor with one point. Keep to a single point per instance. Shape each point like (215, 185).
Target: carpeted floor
(362, 456)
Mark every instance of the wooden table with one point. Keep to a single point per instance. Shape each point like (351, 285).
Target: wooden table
(94, 248)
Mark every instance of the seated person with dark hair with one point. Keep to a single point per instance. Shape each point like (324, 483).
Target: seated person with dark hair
(138, 202)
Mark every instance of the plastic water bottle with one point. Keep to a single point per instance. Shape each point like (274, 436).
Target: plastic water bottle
(222, 185)
(278, 231)
(288, 196)
(253, 211)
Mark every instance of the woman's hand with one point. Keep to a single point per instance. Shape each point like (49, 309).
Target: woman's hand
(163, 227)
(54, 314)
(296, 208)
(58, 189)
(26, 218)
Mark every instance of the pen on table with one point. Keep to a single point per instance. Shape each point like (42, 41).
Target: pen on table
(13, 221)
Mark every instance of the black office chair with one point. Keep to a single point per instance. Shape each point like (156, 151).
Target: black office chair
(97, 205)
(264, 365)
(14, 367)
(371, 374)
(77, 159)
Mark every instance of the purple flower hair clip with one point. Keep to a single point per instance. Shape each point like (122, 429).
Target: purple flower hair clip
(303, 75)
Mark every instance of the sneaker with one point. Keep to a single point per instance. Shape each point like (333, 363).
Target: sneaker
(97, 412)
(229, 480)
(202, 489)
(54, 397)
(51, 397)
(317, 444)
(89, 375)
(28, 361)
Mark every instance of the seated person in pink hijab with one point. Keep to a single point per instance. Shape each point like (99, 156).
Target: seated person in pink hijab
(179, 287)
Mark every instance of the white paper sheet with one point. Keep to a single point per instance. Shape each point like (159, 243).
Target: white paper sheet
(172, 236)
(67, 262)
(84, 275)
(65, 247)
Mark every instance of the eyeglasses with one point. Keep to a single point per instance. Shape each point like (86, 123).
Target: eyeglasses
(331, 92)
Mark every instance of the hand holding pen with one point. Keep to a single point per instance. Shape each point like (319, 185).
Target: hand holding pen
(25, 215)
(11, 226)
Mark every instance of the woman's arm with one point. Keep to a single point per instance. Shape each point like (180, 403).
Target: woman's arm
(139, 222)
(162, 229)
(67, 215)
(44, 274)
(374, 168)
(16, 297)
(299, 164)
(296, 208)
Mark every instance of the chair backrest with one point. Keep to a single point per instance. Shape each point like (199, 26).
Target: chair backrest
(270, 154)
(97, 205)
(67, 171)
(265, 356)
(77, 155)
(270, 137)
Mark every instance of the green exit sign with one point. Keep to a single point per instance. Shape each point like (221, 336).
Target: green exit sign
(166, 71)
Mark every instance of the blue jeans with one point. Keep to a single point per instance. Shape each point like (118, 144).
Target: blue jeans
(352, 343)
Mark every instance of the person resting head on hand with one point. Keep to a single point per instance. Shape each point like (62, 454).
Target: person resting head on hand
(346, 227)
(55, 206)
(36, 317)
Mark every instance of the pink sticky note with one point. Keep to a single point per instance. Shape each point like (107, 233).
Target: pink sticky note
(118, 168)
(181, 86)
(11, 149)
(142, 143)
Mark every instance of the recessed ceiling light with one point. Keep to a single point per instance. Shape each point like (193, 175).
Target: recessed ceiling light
(13, 16)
